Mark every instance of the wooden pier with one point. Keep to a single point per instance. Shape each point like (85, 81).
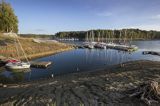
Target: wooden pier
(40, 64)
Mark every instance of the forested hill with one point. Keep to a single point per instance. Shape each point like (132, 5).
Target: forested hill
(124, 33)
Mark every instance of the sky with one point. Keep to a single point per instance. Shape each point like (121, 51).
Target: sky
(52, 16)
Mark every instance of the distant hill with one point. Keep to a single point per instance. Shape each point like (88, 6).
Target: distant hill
(124, 33)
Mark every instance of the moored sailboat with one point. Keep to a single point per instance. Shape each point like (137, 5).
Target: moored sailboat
(18, 64)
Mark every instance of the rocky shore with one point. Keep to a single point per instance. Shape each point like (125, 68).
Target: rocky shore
(99, 88)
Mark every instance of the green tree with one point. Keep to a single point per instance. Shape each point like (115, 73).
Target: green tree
(8, 20)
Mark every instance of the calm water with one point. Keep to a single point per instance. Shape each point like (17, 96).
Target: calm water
(87, 60)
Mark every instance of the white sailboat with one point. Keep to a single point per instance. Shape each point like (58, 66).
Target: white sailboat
(18, 64)
(89, 44)
(125, 45)
(100, 45)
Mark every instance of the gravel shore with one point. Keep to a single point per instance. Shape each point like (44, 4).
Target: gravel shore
(99, 88)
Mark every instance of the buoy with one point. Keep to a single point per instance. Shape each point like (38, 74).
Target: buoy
(77, 69)
(52, 75)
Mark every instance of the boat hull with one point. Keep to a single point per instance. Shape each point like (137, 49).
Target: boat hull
(17, 66)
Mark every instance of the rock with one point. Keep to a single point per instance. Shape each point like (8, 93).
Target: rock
(111, 88)
(4, 86)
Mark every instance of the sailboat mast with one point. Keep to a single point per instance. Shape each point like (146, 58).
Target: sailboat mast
(92, 36)
(22, 49)
(120, 36)
(98, 36)
(17, 49)
(87, 37)
(113, 36)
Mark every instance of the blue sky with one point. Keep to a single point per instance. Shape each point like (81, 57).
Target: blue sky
(51, 16)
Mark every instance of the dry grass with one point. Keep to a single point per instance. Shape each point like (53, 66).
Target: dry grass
(31, 48)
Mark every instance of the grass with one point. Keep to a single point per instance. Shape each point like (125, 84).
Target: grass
(31, 48)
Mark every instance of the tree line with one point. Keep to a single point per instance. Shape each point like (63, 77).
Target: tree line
(124, 33)
(8, 20)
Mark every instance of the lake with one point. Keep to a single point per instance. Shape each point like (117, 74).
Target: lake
(80, 60)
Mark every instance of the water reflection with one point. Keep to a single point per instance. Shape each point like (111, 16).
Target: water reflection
(14, 76)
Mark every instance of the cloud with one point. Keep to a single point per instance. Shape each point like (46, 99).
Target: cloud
(147, 27)
(156, 16)
(104, 14)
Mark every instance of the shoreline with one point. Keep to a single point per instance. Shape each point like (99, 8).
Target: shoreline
(109, 69)
(107, 86)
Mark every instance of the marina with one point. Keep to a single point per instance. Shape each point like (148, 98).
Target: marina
(79, 53)
(104, 41)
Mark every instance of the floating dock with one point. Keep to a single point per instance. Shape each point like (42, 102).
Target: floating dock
(40, 64)
(151, 52)
(131, 48)
(124, 48)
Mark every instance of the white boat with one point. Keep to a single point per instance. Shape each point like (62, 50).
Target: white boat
(100, 45)
(91, 46)
(89, 43)
(17, 65)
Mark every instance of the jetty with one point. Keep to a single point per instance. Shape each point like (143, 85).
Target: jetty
(151, 53)
(40, 64)
(128, 48)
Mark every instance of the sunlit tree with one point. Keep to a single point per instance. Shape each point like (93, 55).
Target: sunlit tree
(8, 20)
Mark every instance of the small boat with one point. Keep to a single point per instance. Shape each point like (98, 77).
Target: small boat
(14, 64)
(100, 46)
(90, 46)
(17, 65)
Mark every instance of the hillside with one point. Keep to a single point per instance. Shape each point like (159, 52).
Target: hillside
(32, 48)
